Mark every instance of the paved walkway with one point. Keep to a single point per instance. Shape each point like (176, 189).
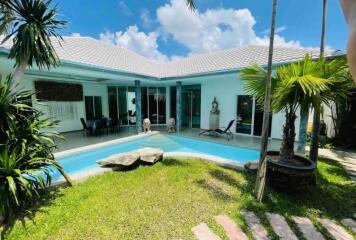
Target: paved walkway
(346, 159)
(279, 226)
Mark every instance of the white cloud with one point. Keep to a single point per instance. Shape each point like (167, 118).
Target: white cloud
(146, 18)
(124, 8)
(277, 30)
(212, 30)
(199, 32)
(139, 42)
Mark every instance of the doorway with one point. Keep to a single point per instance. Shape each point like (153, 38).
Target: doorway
(191, 101)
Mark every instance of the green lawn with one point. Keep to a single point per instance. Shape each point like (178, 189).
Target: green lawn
(166, 200)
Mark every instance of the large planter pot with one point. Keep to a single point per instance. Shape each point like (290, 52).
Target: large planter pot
(291, 177)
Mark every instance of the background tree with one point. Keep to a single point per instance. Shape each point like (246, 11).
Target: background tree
(30, 24)
(314, 146)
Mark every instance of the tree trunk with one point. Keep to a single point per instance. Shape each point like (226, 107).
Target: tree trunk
(314, 146)
(303, 131)
(316, 118)
(287, 148)
(66, 177)
(261, 173)
(18, 74)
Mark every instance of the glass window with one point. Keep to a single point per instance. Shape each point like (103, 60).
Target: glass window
(152, 105)
(161, 97)
(196, 95)
(173, 102)
(93, 107)
(131, 105)
(244, 114)
(112, 95)
(97, 107)
(89, 108)
(258, 121)
(144, 103)
(122, 105)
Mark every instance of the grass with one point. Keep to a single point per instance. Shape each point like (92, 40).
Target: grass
(166, 200)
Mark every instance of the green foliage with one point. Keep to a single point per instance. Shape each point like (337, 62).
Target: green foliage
(31, 24)
(299, 86)
(25, 150)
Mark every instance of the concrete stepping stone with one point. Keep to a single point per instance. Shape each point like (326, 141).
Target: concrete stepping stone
(203, 232)
(335, 230)
(258, 231)
(349, 223)
(280, 226)
(307, 228)
(232, 230)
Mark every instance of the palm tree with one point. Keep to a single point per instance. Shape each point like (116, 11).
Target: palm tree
(30, 24)
(260, 181)
(297, 86)
(314, 146)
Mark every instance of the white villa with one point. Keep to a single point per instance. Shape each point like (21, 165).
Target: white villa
(97, 79)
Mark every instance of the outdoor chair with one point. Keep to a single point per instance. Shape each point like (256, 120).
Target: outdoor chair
(114, 126)
(86, 130)
(226, 132)
(103, 125)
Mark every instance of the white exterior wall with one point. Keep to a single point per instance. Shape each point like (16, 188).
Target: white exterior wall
(74, 124)
(226, 88)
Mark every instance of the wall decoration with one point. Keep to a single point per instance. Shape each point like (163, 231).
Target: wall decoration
(60, 92)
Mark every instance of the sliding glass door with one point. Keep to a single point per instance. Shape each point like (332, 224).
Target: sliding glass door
(122, 104)
(249, 117)
(93, 107)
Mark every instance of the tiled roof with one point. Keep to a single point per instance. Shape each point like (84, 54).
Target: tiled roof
(89, 51)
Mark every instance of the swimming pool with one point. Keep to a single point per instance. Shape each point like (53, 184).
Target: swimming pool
(84, 161)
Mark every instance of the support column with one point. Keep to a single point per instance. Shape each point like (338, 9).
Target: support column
(179, 106)
(138, 106)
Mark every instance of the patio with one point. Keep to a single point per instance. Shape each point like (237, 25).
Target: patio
(77, 139)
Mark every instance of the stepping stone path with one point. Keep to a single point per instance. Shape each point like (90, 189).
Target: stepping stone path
(348, 222)
(307, 228)
(203, 232)
(335, 230)
(258, 231)
(233, 232)
(280, 226)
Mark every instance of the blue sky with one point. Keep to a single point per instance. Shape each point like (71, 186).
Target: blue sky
(165, 29)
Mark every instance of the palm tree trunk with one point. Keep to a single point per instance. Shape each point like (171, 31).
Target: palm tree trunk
(18, 74)
(66, 177)
(287, 148)
(261, 174)
(303, 131)
(316, 118)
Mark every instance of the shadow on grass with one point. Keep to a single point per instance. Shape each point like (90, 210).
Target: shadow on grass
(28, 212)
(332, 197)
(172, 162)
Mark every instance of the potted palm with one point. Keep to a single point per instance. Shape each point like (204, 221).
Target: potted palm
(295, 87)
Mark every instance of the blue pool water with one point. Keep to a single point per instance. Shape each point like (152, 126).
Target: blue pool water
(87, 160)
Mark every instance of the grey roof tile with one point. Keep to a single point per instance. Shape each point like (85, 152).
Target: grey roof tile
(89, 51)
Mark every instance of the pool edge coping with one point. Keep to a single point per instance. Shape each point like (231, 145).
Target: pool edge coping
(79, 150)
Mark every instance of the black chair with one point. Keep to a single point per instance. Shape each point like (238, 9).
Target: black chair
(86, 130)
(114, 126)
(103, 125)
(221, 132)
